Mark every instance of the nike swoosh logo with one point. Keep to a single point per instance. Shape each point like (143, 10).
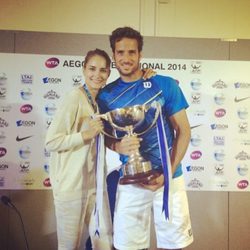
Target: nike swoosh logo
(23, 138)
(195, 126)
(241, 99)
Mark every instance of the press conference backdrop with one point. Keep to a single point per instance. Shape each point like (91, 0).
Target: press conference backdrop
(217, 158)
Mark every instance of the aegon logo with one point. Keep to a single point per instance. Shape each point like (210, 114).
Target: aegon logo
(25, 123)
(242, 184)
(26, 108)
(52, 62)
(195, 155)
(220, 113)
(3, 152)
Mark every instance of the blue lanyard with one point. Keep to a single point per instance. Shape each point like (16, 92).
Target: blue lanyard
(94, 106)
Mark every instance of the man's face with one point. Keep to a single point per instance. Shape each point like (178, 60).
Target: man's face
(127, 58)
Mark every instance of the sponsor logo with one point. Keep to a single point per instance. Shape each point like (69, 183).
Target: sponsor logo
(3, 78)
(147, 85)
(22, 138)
(199, 113)
(25, 123)
(219, 140)
(46, 167)
(195, 67)
(46, 153)
(243, 127)
(219, 98)
(3, 151)
(220, 113)
(242, 113)
(242, 184)
(242, 156)
(219, 126)
(219, 169)
(50, 109)
(2, 137)
(4, 108)
(26, 79)
(51, 95)
(195, 126)
(3, 92)
(242, 169)
(195, 140)
(26, 94)
(3, 166)
(26, 108)
(24, 152)
(242, 85)
(219, 155)
(245, 142)
(195, 98)
(195, 84)
(24, 166)
(195, 183)
(2, 181)
(77, 79)
(195, 155)
(52, 62)
(236, 99)
(48, 122)
(27, 182)
(52, 80)
(3, 123)
(47, 183)
(219, 85)
(220, 182)
(73, 63)
(195, 168)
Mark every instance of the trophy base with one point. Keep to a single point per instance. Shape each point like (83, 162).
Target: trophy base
(139, 178)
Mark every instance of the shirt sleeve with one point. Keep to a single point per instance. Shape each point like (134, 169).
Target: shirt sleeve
(175, 99)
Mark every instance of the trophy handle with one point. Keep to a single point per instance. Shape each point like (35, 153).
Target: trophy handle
(106, 118)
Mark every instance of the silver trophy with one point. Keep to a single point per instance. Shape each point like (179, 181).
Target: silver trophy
(137, 169)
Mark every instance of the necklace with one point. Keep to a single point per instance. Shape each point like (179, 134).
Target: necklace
(90, 99)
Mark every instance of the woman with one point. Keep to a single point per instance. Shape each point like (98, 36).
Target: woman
(77, 165)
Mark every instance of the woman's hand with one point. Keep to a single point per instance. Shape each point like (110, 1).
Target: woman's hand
(95, 126)
(148, 73)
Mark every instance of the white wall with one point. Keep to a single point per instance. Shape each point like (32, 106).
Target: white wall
(168, 18)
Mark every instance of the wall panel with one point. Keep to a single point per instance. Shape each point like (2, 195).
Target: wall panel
(216, 216)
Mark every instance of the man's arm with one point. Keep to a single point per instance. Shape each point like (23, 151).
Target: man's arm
(181, 126)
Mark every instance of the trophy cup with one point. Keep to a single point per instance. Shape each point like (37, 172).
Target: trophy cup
(137, 169)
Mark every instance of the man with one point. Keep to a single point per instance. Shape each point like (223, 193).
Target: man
(134, 202)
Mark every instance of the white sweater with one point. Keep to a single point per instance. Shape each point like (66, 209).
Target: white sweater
(72, 163)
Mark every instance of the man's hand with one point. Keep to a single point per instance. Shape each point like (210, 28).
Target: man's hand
(128, 145)
(154, 184)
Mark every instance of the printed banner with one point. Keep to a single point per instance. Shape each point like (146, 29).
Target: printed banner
(33, 86)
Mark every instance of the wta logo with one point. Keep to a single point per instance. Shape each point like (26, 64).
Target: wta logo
(52, 62)
(26, 108)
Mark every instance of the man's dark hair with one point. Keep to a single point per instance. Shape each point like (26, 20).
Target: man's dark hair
(98, 52)
(125, 32)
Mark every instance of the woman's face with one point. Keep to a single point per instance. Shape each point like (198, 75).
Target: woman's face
(96, 72)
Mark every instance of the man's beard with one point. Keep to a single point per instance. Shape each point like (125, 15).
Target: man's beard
(126, 73)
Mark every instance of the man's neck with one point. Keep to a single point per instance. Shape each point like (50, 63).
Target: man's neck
(132, 78)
